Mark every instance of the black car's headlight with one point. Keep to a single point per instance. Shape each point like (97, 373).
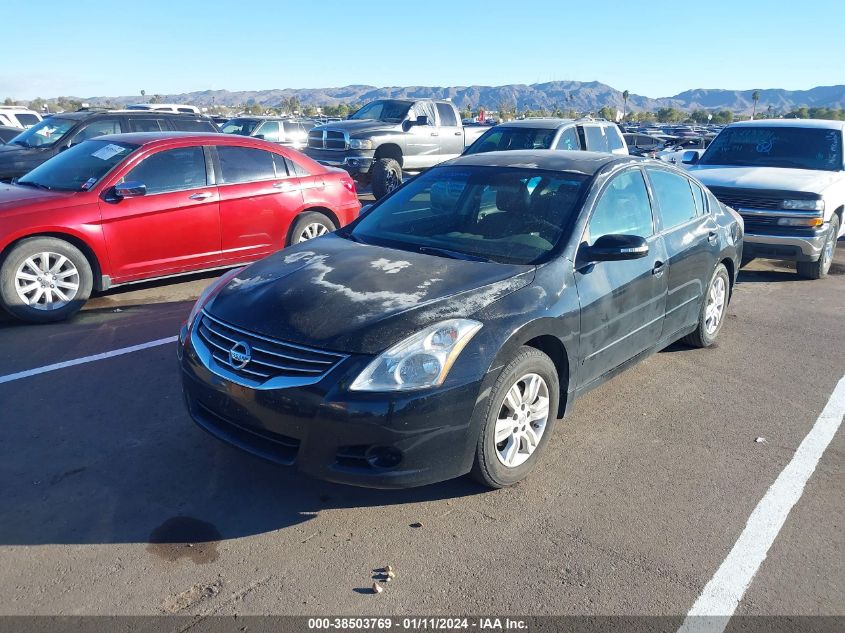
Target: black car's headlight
(208, 293)
(420, 361)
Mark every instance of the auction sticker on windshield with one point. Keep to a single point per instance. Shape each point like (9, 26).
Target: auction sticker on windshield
(104, 153)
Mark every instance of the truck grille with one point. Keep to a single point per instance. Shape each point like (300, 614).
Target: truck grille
(270, 358)
(327, 139)
(739, 200)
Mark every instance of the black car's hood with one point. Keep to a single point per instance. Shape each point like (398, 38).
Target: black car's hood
(340, 295)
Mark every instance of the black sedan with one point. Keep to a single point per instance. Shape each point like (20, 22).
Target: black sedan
(449, 327)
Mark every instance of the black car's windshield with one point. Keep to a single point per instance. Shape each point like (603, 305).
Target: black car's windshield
(79, 168)
(797, 147)
(503, 214)
(244, 127)
(46, 134)
(506, 138)
(387, 111)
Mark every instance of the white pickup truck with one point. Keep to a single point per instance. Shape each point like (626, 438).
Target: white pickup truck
(786, 177)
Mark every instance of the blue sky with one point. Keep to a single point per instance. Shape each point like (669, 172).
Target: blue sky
(84, 48)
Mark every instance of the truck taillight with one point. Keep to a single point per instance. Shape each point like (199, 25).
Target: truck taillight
(349, 185)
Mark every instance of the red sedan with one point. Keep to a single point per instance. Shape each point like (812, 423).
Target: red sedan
(130, 207)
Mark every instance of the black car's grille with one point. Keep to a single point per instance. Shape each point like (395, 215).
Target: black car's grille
(327, 139)
(269, 358)
(742, 201)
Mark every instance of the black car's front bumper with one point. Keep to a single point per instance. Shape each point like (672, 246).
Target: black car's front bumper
(364, 439)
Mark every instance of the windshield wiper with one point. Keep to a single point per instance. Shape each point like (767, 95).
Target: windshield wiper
(445, 252)
(30, 183)
(21, 143)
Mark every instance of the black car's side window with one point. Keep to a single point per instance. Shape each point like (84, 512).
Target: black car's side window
(171, 170)
(245, 164)
(622, 209)
(674, 197)
(147, 125)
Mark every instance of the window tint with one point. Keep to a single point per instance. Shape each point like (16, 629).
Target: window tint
(186, 110)
(596, 140)
(698, 194)
(98, 128)
(27, 120)
(623, 209)
(568, 139)
(614, 139)
(171, 170)
(674, 197)
(447, 115)
(503, 138)
(245, 164)
(270, 131)
(147, 125)
(192, 125)
(295, 169)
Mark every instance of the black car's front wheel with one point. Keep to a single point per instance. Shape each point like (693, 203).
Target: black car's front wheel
(523, 409)
(713, 309)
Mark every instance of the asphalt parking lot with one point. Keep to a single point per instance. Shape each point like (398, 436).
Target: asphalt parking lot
(113, 502)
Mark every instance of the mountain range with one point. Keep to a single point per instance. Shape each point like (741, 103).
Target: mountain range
(582, 96)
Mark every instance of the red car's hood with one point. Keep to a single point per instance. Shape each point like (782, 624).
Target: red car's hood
(16, 196)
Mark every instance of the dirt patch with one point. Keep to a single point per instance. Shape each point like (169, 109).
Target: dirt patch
(185, 537)
(193, 596)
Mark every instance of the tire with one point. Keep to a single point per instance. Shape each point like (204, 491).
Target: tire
(310, 225)
(69, 272)
(820, 267)
(387, 176)
(490, 468)
(705, 333)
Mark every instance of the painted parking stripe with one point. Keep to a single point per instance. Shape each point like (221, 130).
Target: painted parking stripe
(86, 359)
(717, 603)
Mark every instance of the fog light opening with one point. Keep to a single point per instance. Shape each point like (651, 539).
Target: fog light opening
(383, 456)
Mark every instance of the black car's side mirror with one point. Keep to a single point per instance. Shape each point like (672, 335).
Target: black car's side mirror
(614, 248)
(690, 157)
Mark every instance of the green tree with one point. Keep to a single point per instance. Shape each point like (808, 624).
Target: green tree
(9, 101)
(670, 115)
(506, 110)
(37, 104)
(699, 116)
(143, 93)
(625, 96)
(755, 97)
(607, 113)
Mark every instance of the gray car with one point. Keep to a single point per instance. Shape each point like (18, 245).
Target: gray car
(284, 131)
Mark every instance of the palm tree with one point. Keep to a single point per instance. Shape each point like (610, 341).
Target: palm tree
(625, 96)
(755, 97)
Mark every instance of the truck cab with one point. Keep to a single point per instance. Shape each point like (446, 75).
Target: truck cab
(389, 137)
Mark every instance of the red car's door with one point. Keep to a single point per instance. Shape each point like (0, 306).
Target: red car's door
(258, 201)
(174, 227)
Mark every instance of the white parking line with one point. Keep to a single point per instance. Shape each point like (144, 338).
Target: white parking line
(717, 603)
(86, 359)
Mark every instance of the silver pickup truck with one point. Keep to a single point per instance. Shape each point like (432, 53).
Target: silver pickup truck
(390, 136)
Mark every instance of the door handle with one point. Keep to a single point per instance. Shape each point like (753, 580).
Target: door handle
(712, 236)
(200, 196)
(659, 269)
(459, 133)
(284, 186)
(435, 134)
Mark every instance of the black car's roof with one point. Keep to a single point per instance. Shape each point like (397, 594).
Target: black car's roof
(80, 115)
(554, 160)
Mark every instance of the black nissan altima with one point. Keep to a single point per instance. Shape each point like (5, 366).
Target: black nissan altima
(447, 329)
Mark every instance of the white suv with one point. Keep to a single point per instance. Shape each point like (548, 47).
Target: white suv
(15, 116)
(593, 135)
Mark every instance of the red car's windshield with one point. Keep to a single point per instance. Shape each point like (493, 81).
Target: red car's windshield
(80, 167)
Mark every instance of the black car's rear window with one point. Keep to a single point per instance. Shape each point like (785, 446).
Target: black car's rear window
(503, 214)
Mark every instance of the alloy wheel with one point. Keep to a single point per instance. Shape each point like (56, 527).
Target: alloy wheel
(315, 229)
(522, 420)
(715, 309)
(47, 281)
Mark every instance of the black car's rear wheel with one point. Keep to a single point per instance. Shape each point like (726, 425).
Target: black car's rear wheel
(521, 415)
(713, 309)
